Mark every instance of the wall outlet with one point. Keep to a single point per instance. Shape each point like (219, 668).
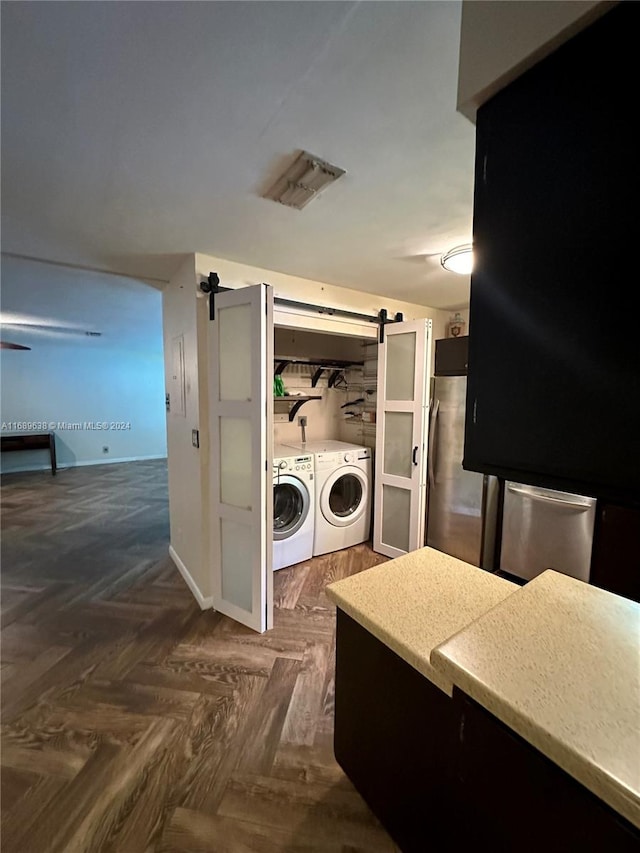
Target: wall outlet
(105, 448)
(302, 421)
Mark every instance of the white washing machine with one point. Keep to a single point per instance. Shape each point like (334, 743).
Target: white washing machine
(293, 506)
(343, 494)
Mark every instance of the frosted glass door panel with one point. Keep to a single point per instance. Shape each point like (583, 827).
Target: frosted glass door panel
(235, 352)
(236, 557)
(236, 462)
(398, 441)
(401, 366)
(400, 484)
(396, 517)
(240, 349)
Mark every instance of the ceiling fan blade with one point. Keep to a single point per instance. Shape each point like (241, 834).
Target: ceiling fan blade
(9, 345)
(42, 328)
(422, 258)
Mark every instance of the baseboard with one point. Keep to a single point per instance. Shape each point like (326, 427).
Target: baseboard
(114, 461)
(46, 466)
(206, 603)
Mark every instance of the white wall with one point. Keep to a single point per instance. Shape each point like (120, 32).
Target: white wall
(233, 274)
(498, 41)
(324, 417)
(189, 543)
(79, 383)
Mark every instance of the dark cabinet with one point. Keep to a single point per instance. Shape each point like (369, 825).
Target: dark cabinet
(444, 774)
(513, 798)
(452, 356)
(394, 738)
(615, 559)
(553, 390)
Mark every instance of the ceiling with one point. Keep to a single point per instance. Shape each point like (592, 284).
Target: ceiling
(133, 133)
(56, 306)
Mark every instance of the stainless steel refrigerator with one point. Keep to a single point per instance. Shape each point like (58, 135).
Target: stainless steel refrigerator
(462, 505)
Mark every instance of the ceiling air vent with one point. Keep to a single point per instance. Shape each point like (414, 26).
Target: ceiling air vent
(305, 178)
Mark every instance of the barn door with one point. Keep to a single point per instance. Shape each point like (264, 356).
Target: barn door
(401, 438)
(241, 419)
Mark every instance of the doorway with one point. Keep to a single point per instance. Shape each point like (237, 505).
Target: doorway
(245, 416)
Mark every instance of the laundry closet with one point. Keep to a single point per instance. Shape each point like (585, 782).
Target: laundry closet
(324, 433)
(361, 384)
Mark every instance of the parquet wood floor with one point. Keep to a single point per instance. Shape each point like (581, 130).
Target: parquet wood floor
(133, 721)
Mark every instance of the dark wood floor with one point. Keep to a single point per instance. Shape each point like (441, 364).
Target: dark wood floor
(133, 721)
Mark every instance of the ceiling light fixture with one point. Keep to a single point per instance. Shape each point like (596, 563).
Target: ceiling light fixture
(459, 259)
(305, 179)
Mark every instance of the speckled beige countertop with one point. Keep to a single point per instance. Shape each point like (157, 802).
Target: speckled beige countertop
(414, 602)
(559, 663)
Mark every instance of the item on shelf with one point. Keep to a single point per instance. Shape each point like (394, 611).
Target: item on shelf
(456, 325)
(369, 417)
(336, 367)
(278, 386)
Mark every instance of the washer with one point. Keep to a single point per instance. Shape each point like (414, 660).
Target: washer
(343, 494)
(293, 506)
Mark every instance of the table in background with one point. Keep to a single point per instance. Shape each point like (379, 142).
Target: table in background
(13, 441)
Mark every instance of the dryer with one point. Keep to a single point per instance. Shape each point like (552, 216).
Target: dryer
(293, 506)
(343, 494)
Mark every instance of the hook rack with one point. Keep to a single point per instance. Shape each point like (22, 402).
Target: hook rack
(297, 400)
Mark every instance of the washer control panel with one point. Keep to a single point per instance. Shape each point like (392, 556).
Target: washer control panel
(299, 464)
(349, 457)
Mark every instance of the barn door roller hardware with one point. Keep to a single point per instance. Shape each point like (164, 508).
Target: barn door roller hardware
(212, 285)
(383, 319)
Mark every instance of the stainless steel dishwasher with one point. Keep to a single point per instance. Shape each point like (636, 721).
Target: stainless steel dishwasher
(544, 529)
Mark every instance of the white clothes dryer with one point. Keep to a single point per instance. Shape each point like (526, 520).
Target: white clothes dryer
(343, 495)
(323, 445)
(293, 506)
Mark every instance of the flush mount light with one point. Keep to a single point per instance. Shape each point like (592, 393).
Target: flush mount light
(459, 259)
(305, 179)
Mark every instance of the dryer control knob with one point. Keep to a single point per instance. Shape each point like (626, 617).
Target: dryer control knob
(297, 467)
(282, 465)
(347, 457)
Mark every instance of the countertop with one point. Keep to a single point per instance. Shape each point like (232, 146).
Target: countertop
(415, 602)
(557, 660)
(559, 663)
